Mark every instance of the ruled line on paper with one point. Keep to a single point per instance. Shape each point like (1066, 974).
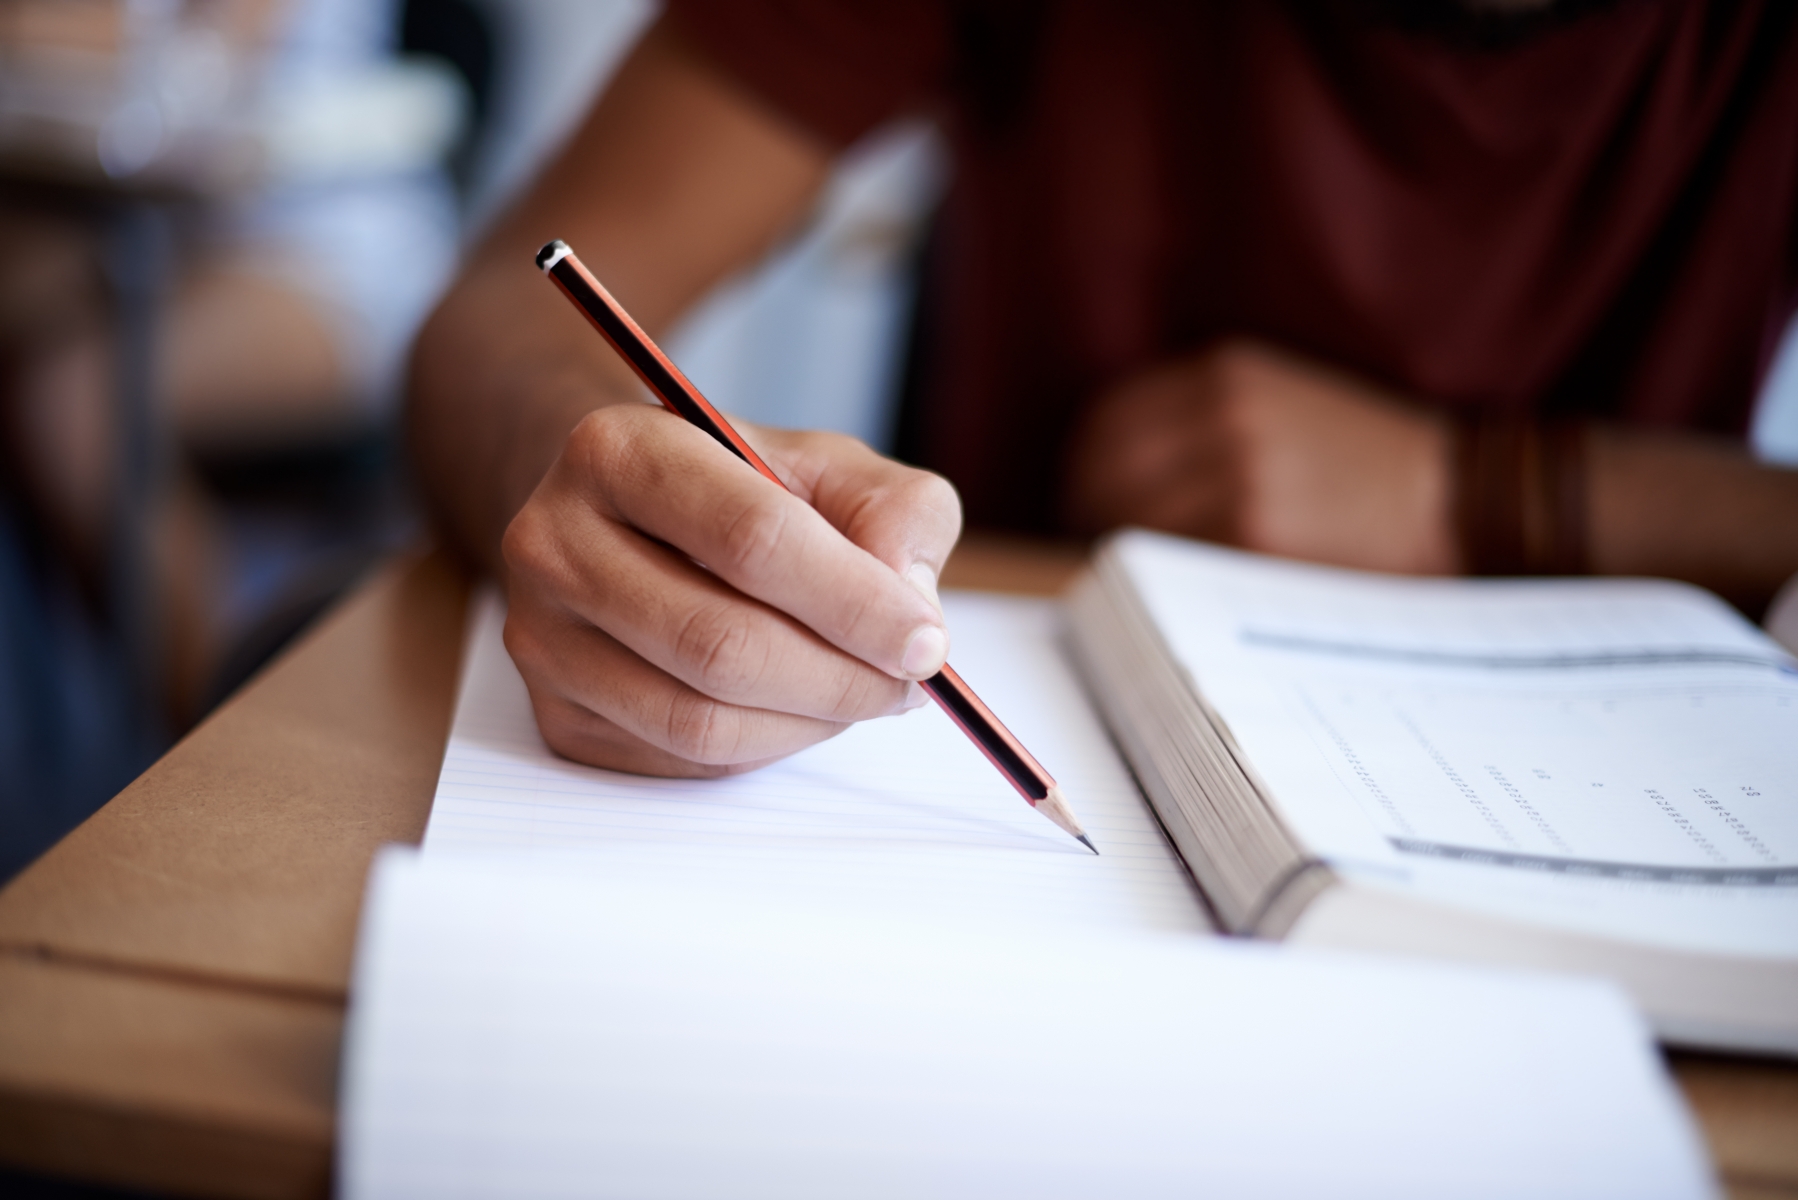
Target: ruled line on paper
(888, 811)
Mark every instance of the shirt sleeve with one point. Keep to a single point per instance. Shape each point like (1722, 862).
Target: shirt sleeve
(836, 68)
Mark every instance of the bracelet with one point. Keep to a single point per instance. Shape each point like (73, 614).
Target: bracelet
(1520, 496)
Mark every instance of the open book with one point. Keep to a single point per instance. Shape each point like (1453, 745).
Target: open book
(871, 970)
(1592, 775)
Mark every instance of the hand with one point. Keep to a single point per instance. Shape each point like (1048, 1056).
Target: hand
(812, 610)
(1252, 446)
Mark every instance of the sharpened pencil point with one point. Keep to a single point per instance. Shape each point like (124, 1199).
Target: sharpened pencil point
(1054, 807)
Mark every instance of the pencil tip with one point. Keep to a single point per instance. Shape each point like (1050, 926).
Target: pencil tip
(1055, 807)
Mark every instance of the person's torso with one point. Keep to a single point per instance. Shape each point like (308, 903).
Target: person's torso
(1590, 214)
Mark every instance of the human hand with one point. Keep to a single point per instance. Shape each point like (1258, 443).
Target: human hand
(813, 609)
(1256, 447)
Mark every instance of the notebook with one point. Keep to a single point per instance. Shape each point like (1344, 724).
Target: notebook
(872, 970)
(1592, 775)
(904, 808)
(596, 1025)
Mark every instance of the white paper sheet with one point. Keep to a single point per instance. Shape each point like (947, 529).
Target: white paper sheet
(547, 1027)
(903, 808)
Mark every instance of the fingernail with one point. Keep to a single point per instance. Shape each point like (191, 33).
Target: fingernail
(924, 579)
(925, 653)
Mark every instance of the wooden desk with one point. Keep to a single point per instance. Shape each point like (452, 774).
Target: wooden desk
(173, 975)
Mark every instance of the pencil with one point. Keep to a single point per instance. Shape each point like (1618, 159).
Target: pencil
(679, 396)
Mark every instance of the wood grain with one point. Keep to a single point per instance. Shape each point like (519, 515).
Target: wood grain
(241, 854)
(109, 1077)
(173, 973)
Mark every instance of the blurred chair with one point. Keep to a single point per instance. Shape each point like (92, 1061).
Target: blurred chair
(220, 223)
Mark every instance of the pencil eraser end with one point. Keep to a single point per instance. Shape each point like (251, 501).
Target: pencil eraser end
(551, 254)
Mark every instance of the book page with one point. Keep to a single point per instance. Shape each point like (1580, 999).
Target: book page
(902, 809)
(1620, 755)
(525, 1029)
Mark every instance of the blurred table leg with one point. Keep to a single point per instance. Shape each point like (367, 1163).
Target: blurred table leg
(138, 264)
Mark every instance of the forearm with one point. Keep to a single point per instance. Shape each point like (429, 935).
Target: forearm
(674, 182)
(1692, 508)
(499, 379)
(1249, 444)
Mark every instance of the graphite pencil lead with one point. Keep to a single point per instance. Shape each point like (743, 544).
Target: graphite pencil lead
(1055, 807)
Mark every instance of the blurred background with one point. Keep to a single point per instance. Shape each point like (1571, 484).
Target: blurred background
(220, 223)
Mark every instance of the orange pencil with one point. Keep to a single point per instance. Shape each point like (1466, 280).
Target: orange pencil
(680, 397)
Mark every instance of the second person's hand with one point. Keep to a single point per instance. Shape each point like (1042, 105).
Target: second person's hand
(1261, 448)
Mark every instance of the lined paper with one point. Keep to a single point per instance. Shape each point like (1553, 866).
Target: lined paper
(901, 810)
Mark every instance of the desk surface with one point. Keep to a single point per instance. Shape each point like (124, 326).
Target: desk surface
(173, 974)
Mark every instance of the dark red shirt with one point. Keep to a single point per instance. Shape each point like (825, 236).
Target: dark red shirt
(1589, 213)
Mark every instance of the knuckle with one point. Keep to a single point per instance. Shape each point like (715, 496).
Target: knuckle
(700, 730)
(590, 437)
(860, 618)
(515, 546)
(564, 736)
(524, 545)
(825, 442)
(520, 641)
(754, 534)
(541, 562)
(912, 505)
(715, 648)
(605, 443)
(863, 694)
(932, 493)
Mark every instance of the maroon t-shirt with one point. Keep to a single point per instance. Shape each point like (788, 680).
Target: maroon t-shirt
(1588, 213)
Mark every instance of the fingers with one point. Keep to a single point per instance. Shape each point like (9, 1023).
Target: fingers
(598, 702)
(907, 518)
(674, 483)
(673, 612)
(1158, 451)
(687, 622)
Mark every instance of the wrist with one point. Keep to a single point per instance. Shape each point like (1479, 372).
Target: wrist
(1519, 495)
(1432, 486)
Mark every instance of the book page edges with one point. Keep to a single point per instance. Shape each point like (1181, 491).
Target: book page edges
(1252, 869)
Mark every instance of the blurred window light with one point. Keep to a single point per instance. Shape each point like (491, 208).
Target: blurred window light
(1774, 434)
(200, 97)
(130, 137)
(815, 337)
(554, 57)
(385, 118)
